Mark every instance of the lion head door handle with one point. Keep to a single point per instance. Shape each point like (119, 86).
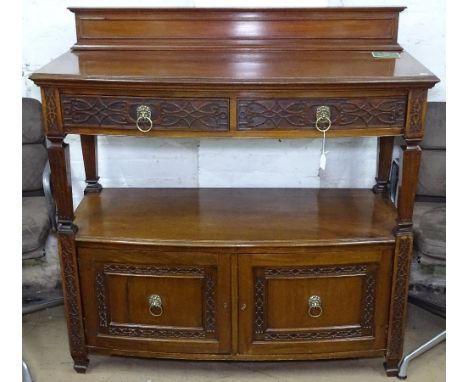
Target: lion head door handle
(155, 305)
(144, 115)
(315, 306)
(323, 119)
(323, 124)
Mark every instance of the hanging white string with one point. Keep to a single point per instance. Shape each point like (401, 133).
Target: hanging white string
(323, 155)
(323, 115)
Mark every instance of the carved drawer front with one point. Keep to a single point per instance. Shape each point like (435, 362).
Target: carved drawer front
(164, 304)
(165, 114)
(301, 113)
(315, 304)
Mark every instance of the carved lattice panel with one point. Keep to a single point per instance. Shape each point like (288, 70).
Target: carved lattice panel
(263, 276)
(300, 113)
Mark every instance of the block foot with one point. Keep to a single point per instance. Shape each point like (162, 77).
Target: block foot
(81, 366)
(391, 368)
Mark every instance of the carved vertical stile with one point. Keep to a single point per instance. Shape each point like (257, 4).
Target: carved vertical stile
(72, 298)
(101, 302)
(368, 308)
(398, 305)
(260, 308)
(210, 303)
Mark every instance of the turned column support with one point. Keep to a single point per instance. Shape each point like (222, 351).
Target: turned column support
(89, 149)
(384, 164)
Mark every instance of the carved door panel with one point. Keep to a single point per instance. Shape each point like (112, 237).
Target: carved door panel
(168, 302)
(329, 300)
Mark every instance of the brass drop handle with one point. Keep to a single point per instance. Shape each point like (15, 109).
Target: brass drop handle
(323, 119)
(315, 306)
(155, 305)
(144, 114)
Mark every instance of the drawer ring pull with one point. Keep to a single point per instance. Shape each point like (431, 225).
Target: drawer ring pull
(155, 305)
(144, 114)
(315, 306)
(323, 116)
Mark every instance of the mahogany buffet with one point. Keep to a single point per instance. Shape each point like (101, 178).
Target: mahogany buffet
(235, 274)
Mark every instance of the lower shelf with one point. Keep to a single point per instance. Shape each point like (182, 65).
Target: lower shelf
(236, 217)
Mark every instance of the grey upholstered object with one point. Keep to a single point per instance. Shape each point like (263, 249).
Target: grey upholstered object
(430, 232)
(38, 211)
(432, 173)
(36, 223)
(434, 137)
(34, 150)
(34, 161)
(33, 131)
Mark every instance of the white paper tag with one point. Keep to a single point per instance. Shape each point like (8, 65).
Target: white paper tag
(323, 160)
(386, 54)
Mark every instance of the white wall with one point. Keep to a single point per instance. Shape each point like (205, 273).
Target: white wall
(48, 31)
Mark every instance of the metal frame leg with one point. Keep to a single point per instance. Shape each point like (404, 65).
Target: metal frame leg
(35, 308)
(26, 374)
(403, 367)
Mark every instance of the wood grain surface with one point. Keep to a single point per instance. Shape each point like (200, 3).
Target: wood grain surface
(235, 217)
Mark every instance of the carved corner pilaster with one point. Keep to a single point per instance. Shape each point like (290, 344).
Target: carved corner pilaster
(51, 111)
(72, 297)
(399, 298)
(416, 114)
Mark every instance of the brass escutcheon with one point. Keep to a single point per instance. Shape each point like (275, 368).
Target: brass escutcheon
(323, 117)
(144, 114)
(155, 305)
(315, 306)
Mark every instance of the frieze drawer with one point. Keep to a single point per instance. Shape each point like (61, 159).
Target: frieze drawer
(145, 113)
(300, 113)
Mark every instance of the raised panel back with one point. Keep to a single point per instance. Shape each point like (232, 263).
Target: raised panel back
(266, 29)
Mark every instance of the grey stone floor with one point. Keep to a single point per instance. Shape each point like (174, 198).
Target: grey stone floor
(45, 348)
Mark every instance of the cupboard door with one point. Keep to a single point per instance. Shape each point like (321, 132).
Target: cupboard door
(330, 300)
(156, 301)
